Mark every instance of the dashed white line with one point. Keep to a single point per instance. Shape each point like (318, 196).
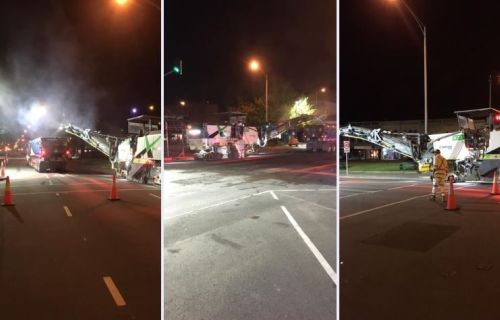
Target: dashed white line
(51, 183)
(113, 290)
(329, 270)
(57, 194)
(154, 195)
(68, 212)
(274, 195)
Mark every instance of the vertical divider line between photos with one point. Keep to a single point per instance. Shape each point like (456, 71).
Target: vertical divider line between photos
(337, 152)
(162, 168)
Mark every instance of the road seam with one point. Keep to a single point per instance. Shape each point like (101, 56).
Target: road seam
(68, 212)
(326, 266)
(113, 290)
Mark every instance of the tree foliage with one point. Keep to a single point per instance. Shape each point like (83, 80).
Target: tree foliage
(300, 107)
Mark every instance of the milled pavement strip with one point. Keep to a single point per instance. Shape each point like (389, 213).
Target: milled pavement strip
(384, 206)
(329, 270)
(215, 205)
(68, 213)
(113, 290)
(313, 203)
(75, 191)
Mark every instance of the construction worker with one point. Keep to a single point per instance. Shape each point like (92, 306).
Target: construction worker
(440, 171)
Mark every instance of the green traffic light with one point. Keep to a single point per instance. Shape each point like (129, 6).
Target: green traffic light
(177, 69)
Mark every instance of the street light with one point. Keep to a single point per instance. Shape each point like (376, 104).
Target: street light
(254, 66)
(134, 110)
(421, 26)
(182, 103)
(151, 108)
(125, 2)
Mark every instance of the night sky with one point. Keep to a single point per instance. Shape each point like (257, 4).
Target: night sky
(294, 39)
(89, 60)
(381, 52)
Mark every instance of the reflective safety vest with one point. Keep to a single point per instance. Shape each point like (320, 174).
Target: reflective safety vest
(440, 166)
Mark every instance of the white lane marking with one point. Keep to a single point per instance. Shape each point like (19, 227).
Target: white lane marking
(51, 183)
(57, 194)
(154, 195)
(113, 290)
(402, 187)
(47, 176)
(68, 213)
(313, 203)
(374, 191)
(304, 190)
(215, 205)
(381, 207)
(385, 206)
(329, 270)
(274, 195)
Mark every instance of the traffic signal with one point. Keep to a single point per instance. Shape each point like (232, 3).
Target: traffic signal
(178, 68)
(496, 118)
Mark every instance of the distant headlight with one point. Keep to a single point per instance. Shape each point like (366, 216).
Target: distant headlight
(194, 132)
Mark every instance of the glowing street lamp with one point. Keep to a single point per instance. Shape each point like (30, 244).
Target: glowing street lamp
(424, 33)
(322, 90)
(121, 2)
(151, 108)
(254, 66)
(182, 103)
(134, 110)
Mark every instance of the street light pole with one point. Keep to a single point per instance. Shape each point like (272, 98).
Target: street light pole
(267, 84)
(424, 33)
(490, 91)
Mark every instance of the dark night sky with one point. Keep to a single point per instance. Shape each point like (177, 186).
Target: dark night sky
(91, 60)
(294, 39)
(381, 66)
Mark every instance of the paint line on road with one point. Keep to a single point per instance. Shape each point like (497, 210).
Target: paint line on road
(57, 194)
(304, 190)
(154, 195)
(218, 204)
(274, 195)
(312, 203)
(371, 192)
(401, 187)
(329, 270)
(68, 212)
(381, 207)
(51, 183)
(113, 290)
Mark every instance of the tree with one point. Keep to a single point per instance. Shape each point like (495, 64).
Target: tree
(301, 107)
(254, 109)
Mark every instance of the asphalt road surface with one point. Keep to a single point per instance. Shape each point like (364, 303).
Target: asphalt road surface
(402, 256)
(252, 239)
(67, 252)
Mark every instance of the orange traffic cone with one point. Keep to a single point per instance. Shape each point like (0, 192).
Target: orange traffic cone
(452, 203)
(494, 187)
(2, 172)
(114, 192)
(7, 196)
